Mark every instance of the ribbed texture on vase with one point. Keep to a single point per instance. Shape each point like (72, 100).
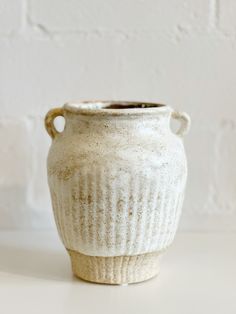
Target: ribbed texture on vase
(115, 269)
(108, 211)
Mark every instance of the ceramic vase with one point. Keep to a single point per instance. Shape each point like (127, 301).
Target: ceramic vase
(117, 175)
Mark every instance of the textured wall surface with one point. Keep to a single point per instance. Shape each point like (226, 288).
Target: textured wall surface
(178, 52)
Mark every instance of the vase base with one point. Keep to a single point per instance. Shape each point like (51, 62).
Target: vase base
(116, 270)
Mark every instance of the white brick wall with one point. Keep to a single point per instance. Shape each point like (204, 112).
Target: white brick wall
(10, 17)
(127, 16)
(227, 18)
(177, 52)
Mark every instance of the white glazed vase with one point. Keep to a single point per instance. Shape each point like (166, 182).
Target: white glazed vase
(117, 176)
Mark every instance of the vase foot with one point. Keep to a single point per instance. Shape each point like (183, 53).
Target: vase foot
(117, 270)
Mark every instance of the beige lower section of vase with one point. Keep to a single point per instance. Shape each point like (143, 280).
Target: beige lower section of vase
(115, 269)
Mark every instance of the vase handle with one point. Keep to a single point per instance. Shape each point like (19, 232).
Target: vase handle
(49, 121)
(185, 122)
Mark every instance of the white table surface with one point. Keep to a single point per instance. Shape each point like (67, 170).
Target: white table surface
(198, 275)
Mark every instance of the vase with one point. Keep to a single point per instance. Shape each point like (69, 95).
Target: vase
(117, 175)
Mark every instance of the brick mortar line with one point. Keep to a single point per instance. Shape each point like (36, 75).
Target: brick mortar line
(213, 22)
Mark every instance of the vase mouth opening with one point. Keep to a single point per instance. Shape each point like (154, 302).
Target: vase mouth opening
(115, 107)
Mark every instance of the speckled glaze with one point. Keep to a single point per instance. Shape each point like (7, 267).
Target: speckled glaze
(117, 176)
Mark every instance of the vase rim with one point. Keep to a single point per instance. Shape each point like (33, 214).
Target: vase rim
(115, 107)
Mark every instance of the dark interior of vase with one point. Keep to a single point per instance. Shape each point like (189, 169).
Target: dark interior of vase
(131, 105)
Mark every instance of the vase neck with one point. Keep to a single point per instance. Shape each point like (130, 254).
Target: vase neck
(76, 123)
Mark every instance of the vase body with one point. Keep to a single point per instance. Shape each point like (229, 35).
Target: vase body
(117, 176)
